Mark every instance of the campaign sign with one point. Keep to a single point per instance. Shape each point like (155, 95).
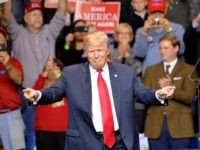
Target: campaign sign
(3, 1)
(54, 3)
(103, 15)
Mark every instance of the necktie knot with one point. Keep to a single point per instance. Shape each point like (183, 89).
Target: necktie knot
(167, 69)
(99, 70)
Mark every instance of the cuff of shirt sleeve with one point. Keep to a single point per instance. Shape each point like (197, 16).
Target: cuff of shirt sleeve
(160, 100)
(38, 98)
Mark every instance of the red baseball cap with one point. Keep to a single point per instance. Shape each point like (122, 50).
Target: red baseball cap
(32, 6)
(156, 5)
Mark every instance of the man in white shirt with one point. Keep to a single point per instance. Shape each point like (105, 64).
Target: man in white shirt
(171, 126)
(80, 84)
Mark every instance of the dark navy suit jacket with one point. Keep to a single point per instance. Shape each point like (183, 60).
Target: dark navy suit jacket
(75, 84)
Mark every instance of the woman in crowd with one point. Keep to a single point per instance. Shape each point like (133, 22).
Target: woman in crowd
(50, 120)
(72, 52)
(121, 49)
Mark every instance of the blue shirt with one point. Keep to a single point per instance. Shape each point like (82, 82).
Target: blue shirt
(147, 47)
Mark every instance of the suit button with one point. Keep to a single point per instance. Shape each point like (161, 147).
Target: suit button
(164, 113)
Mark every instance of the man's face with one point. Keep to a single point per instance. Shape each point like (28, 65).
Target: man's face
(157, 19)
(139, 5)
(97, 55)
(124, 36)
(2, 41)
(167, 51)
(155, 15)
(34, 19)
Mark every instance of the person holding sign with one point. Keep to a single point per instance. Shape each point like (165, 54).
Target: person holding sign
(33, 45)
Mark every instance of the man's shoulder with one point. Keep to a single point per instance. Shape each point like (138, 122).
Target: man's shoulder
(155, 67)
(115, 64)
(177, 26)
(185, 65)
(133, 17)
(122, 68)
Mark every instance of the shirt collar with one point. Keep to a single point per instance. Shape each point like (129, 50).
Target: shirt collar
(105, 68)
(172, 63)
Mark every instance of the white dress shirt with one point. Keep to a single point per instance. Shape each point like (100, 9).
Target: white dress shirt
(172, 65)
(96, 109)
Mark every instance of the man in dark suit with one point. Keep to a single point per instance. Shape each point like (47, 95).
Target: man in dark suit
(86, 130)
(171, 126)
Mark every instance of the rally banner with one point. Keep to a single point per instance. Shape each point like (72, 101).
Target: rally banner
(54, 3)
(103, 15)
(3, 1)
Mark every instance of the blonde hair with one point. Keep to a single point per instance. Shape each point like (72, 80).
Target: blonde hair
(95, 38)
(121, 27)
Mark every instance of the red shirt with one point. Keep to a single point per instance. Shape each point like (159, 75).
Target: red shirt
(9, 96)
(51, 117)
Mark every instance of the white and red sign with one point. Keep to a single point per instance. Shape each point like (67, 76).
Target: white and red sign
(103, 15)
(3, 1)
(54, 3)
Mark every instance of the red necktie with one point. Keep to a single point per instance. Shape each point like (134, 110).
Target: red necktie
(106, 111)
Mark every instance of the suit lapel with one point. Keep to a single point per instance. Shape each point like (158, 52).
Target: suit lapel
(114, 79)
(176, 69)
(161, 69)
(87, 93)
(86, 86)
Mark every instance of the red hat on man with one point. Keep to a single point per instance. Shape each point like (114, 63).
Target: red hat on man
(156, 5)
(32, 6)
